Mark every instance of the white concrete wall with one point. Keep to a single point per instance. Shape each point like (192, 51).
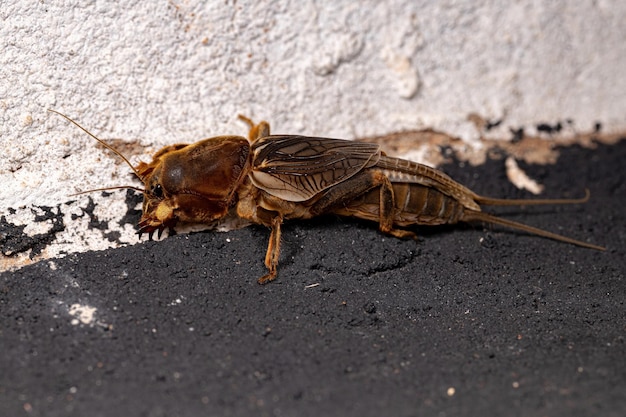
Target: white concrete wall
(155, 73)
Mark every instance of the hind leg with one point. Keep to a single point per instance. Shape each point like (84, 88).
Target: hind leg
(343, 193)
(257, 131)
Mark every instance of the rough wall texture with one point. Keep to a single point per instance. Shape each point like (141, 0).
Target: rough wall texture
(151, 74)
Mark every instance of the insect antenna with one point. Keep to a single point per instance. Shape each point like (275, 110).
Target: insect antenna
(103, 143)
(118, 187)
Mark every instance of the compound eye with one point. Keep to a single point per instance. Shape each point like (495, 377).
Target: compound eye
(157, 191)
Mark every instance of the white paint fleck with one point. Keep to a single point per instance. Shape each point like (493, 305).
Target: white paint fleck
(519, 178)
(82, 314)
(177, 301)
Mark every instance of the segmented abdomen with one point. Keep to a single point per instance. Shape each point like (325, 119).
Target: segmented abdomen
(414, 204)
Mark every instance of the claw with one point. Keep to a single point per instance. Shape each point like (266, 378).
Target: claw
(271, 276)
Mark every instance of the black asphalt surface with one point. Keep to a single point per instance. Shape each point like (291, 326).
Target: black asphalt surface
(467, 321)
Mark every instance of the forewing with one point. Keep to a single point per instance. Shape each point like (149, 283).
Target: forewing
(296, 168)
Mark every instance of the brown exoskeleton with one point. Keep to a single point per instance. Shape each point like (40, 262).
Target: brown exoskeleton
(268, 179)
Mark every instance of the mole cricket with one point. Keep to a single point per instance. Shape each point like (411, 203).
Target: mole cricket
(267, 179)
